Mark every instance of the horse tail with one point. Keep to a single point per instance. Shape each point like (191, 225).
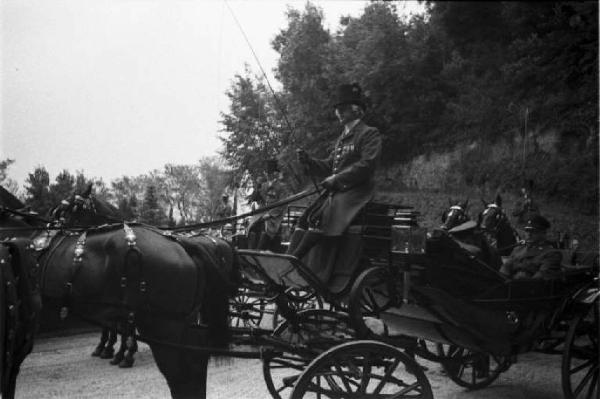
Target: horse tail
(220, 286)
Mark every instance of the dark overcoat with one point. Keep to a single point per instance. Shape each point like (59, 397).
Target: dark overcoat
(352, 163)
(534, 260)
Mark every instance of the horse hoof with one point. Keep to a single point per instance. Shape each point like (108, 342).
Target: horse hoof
(126, 363)
(97, 352)
(117, 359)
(107, 354)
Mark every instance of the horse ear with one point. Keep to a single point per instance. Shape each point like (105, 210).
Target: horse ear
(465, 204)
(450, 202)
(87, 191)
(484, 203)
(498, 200)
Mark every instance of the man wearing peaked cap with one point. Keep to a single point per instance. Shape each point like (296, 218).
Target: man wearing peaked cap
(536, 258)
(348, 171)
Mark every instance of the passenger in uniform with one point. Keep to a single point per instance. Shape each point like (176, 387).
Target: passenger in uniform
(349, 174)
(537, 258)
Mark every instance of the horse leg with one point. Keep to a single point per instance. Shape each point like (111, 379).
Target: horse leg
(8, 391)
(109, 349)
(102, 343)
(120, 353)
(185, 373)
(131, 348)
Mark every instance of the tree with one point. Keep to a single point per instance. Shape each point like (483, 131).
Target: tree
(37, 191)
(215, 180)
(63, 187)
(9, 184)
(151, 212)
(184, 190)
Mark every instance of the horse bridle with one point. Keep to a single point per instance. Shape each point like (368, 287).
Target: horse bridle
(463, 218)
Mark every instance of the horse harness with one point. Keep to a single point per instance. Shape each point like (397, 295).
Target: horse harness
(21, 296)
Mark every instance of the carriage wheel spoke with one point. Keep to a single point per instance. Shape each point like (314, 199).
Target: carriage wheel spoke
(593, 386)
(385, 378)
(365, 375)
(372, 305)
(584, 381)
(581, 367)
(343, 377)
(409, 388)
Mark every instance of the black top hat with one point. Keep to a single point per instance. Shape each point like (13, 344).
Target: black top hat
(272, 165)
(349, 94)
(537, 222)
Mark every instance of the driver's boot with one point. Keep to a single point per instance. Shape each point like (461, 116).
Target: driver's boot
(310, 239)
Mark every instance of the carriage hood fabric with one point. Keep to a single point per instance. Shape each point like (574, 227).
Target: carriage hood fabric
(353, 161)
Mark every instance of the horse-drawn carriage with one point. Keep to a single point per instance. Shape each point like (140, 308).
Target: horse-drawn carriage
(414, 293)
(350, 326)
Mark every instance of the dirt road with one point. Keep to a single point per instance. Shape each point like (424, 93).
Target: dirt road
(63, 368)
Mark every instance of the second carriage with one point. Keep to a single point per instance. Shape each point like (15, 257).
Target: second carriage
(353, 326)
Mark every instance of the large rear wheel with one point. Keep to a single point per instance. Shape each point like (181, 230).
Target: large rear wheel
(363, 369)
(301, 340)
(580, 356)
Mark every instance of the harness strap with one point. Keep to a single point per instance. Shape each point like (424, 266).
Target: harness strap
(12, 311)
(77, 262)
(131, 298)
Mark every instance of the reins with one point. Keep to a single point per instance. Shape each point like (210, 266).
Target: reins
(117, 222)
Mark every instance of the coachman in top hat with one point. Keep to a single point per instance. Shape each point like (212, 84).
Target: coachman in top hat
(349, 173)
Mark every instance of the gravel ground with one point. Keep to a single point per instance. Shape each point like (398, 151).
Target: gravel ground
(61, 367)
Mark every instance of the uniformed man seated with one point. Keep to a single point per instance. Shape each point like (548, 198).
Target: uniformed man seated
(536, 258)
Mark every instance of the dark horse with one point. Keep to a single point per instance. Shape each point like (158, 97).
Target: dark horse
(495, 224)
(467, 234)
(455, 215)
(20, 300)
(173, 290)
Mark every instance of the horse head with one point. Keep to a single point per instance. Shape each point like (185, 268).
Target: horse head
(492, 216)
(455, 215)
(495, 224)
(85, 209)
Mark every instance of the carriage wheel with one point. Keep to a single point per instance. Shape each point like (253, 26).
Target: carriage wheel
(315, 331)
(580, 357)
(469, 369)
(371, 294)
(298, 300)
(363, 369)
(246, 309)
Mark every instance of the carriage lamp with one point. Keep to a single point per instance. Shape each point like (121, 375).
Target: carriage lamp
(408, 237)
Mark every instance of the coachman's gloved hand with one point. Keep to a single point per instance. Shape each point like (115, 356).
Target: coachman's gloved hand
(303, 157)
(329, 183)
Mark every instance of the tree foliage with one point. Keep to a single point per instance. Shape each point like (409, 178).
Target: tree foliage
(464, 72)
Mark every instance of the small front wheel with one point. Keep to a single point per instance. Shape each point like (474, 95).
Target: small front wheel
(469, 369)
(580, 356)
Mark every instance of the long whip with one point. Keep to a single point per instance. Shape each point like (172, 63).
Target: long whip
(277, 101)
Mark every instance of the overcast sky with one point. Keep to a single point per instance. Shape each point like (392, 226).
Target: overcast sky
(122, 87)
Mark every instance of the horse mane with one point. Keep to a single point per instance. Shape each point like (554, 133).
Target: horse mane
(105, 208)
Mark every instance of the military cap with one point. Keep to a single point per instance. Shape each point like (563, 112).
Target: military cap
(349, 94)
(537, 222)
